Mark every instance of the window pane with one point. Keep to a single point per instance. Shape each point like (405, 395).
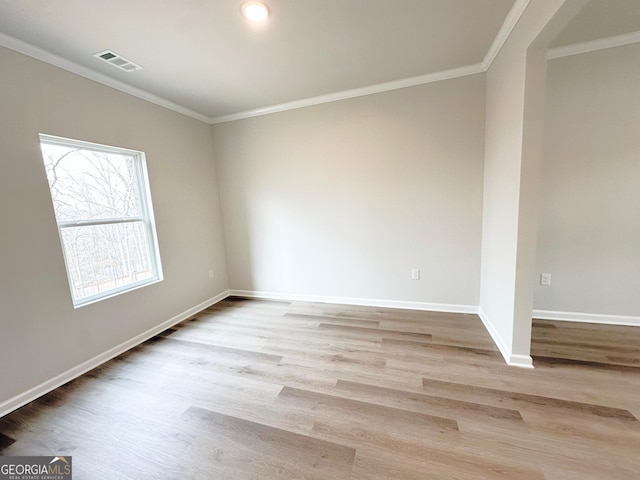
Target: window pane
(90, 184)
(104, 214)
(105, 257)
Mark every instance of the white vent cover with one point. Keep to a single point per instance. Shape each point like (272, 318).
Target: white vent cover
(117, 61)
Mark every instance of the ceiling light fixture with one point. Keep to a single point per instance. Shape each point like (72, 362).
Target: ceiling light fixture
(255, 11)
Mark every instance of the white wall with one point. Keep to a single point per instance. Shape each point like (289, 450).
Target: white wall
(514, 122)
(41, 335)
(343, 199)
(589, 232)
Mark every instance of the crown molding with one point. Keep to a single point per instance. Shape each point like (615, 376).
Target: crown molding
(503, 34)
(594, 45)
(509, 24)
(70, 66)
(65, 64)
(507, 27)
(356, 92)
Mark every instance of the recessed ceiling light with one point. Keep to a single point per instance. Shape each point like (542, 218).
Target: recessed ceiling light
(255, 11)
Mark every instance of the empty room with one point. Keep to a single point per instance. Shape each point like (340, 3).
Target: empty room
(342, 239)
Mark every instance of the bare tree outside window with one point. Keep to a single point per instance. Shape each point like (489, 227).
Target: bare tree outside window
(103, 210)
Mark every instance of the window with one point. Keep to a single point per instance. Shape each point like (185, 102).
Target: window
(103, 209)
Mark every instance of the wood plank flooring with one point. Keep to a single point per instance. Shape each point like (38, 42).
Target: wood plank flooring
(253, 389)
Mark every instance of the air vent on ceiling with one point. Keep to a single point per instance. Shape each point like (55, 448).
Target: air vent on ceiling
(117, 61)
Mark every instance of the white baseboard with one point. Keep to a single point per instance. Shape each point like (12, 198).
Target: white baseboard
(55, 382)
(522, 361)
(497, 338)
(512, 359)
(364, 302)
(587, 317)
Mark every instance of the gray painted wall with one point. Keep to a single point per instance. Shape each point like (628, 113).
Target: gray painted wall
(336, 200)
(344, 199)
(589, 228)
(41, 334)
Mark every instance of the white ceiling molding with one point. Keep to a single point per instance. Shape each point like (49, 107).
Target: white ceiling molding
(503, 34)
(356, 92)
(594, 45)
(40, 54)
(507, 27)
(61, 62)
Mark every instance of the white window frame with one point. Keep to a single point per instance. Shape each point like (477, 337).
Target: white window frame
(147, 218)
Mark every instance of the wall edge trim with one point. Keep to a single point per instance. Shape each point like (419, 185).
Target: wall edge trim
(587, 317)
(594, 45)
(512, 359)
(38, 53)
(365, 302)
(509, 24)
(438, 76)
(507, 27)
(47, 386)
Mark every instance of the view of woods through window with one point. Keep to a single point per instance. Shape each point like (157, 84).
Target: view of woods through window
(102, 209)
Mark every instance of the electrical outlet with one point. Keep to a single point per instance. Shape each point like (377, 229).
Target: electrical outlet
(211, 275)
(415, 274)
(545, 279)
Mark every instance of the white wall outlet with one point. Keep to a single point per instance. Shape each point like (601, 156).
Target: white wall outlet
(415, 274)
(545, 279)
(211, 274)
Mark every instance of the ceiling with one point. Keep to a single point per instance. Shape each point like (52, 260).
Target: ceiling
(203, 55)
(200, 57)
(601, 19)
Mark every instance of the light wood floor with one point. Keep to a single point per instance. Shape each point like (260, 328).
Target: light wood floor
(274, 390)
